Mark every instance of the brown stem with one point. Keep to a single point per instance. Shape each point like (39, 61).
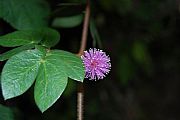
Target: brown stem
(80, 100)
(80, 92)
(85, 29)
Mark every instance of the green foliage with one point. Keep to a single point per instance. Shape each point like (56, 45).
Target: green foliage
(20, 72)
(27, 39)
(19, 38)
(68, 15)
(31, 60)
(50, 84)
(68, 22)
(52, 70)
(49, 68)
(6, 113)
(25, 14)
(47, 36)
(14, 51)
(72, 64)
(68, 9)
(50, 37)
(53, 76)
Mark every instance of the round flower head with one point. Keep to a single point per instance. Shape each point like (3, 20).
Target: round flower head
(97, 64)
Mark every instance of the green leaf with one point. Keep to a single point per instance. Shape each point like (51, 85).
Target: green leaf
(19, 38)
(14, 51)
(6, 113)
(42, 49)
(68, 22)
(72, 64)
(53, 76)
(47, 36)
(20, 72)
(50, 84)
(95, 34)
(50, 37)
(25, 14)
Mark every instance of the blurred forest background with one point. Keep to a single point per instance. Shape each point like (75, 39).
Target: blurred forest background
(142, 39)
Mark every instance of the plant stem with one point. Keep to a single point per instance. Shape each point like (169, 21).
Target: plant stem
(85, 29)
(80, 100)
(80, 92)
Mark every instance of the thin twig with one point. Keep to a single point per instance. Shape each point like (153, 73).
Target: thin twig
(85, 29)
(80, 92)
(80, 100)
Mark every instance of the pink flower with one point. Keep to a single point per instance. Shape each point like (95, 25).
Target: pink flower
(97, 64)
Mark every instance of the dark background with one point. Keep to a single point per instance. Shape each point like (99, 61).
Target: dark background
(142, 39)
